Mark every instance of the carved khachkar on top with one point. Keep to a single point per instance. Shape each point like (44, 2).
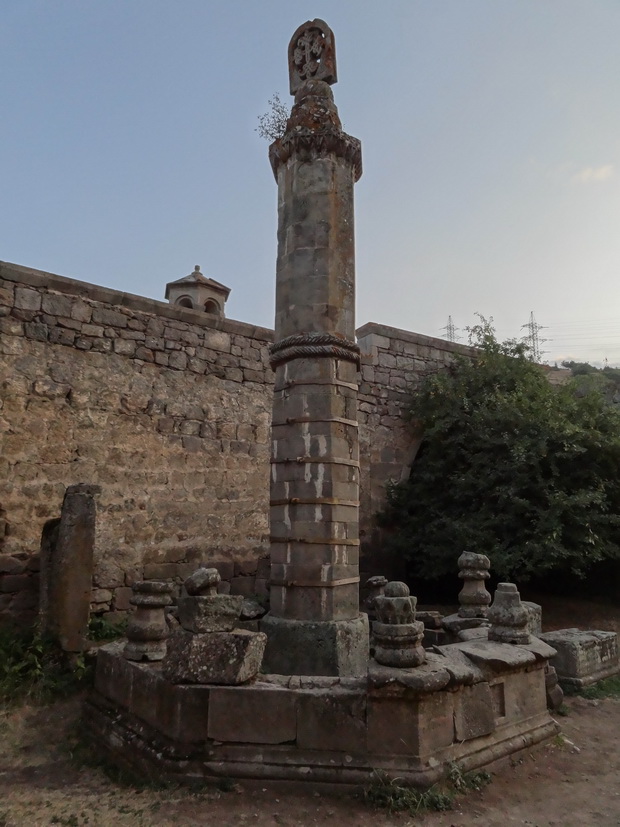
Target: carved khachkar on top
(312, 54)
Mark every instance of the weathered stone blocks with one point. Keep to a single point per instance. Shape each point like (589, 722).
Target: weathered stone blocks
(228, 658)
(583, 657)
(218, 613)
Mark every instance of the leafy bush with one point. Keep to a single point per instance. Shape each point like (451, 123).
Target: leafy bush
(34, 668)
(100, 629)
(272, 124)
(509, 466)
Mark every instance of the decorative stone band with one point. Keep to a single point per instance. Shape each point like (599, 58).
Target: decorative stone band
(315, 541)
(314, 584)
(321, 460)
(295, 420)
(307, 145)
(315, 501)
(296, 383)
(313, 345)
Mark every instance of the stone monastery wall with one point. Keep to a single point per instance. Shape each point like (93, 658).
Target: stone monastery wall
(168, 410)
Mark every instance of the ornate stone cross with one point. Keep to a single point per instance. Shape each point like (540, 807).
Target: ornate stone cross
(312, 54)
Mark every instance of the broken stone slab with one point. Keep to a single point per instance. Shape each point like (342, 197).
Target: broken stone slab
(224, 658)
(540, 649)
(430, 619)
(427, 677)
(251, 610)
(481, 633)
(492, 657)
(454, 624)
(462, 670)
(209, 613)
(583, 657)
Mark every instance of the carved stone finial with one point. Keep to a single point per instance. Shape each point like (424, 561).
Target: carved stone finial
(147, 629)
(508, 616)
(312, 54)
(398, 635)
(376, 587)
(474, 598)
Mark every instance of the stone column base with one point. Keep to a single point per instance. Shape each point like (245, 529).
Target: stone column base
(301, 647)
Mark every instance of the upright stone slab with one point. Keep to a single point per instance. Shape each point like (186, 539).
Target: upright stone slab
(67, 568)
(315, 627)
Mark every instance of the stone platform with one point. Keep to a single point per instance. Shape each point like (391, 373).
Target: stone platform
(472, 702)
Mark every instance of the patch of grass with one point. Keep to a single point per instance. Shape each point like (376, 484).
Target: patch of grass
(607, 688)
(562, 711)
(388, 794)
(464, 782)
(33, 668)
(101, 629)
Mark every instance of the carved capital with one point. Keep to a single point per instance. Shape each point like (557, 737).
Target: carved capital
(308, 145)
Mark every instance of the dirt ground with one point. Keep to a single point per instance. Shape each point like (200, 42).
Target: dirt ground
(571, 781)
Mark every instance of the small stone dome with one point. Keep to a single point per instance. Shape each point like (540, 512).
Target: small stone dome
(196, 292)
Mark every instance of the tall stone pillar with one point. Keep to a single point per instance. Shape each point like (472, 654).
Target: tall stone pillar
(314, 626)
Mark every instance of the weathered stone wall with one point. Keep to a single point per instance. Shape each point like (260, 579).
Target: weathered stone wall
(168, 410)
(393, 361)
(165, 408)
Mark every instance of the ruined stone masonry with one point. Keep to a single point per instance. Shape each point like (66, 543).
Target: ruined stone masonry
(168, 410)
(318, 706)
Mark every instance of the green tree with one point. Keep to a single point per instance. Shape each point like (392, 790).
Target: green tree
(509, 466)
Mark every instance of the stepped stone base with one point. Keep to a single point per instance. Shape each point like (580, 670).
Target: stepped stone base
(472, 703)
(298, 647)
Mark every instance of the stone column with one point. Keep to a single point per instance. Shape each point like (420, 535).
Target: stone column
(315, 627)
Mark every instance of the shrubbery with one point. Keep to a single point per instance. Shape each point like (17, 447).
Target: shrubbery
(510, 466)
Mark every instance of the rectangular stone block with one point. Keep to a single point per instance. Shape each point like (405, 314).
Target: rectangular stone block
(183, 711)
(411, 726)
(332, 720)
(114, 674)
(253, 715)
(223, 658)
(474, 714)
(525, 694)
(583, 657)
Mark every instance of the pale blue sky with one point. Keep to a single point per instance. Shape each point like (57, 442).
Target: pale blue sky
(490, 133)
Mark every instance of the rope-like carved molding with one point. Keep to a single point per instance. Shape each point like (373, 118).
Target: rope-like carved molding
(313, 345)
(307, 145)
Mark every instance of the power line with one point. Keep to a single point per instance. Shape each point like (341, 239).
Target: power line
(533, 339)
(451, 331)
